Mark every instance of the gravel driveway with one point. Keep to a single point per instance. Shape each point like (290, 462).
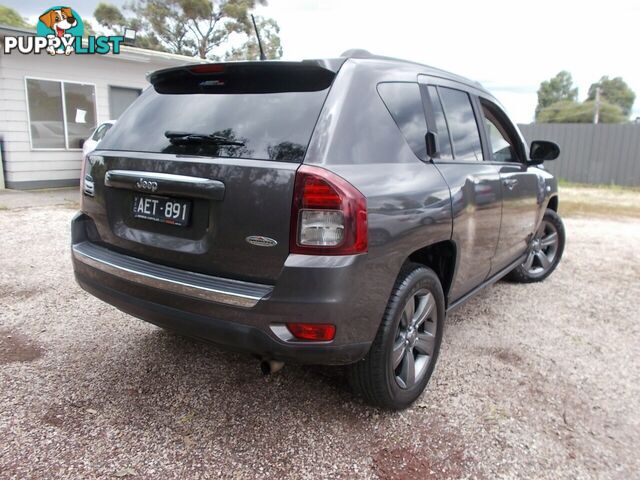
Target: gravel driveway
(533, 381)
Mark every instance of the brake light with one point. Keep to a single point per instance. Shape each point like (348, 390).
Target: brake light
(319, 332)
(208, 68)
(328, 216)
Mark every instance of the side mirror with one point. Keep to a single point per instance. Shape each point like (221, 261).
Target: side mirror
(81, 142)
(542, 150)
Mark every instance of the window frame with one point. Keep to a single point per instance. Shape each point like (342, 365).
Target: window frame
(64, 112)
(430, 80)
(432, 124)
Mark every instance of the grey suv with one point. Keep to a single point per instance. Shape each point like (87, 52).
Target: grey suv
(324, 211)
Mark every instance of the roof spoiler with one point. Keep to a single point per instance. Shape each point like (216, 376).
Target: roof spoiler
(246, 77)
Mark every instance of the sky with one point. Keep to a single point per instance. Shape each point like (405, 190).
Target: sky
(508, 46)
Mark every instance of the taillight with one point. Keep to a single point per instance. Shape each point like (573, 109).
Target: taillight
(86, 181)
(319, 332)
(329, 215)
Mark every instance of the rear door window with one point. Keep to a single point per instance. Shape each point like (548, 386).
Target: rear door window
(463, 128)
(404, 102)
(270, 126)
(444, 142)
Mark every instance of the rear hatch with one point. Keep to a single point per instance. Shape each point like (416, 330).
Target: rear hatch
(199, 172)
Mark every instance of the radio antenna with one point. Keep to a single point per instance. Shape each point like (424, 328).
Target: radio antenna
(262, 55)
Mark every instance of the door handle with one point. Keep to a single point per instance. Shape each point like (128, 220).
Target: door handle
(510, 183)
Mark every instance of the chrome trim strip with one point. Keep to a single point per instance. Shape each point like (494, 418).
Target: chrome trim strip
(154, 281)
(167, 183)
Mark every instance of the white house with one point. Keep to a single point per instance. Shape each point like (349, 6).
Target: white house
(49, 104)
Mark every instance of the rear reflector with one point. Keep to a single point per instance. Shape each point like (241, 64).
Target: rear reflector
(319, 332)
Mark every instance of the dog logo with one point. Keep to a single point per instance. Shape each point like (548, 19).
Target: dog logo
(62, 23)
(60, 31)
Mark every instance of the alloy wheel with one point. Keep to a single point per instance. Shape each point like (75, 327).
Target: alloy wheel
(543, 249)
(415, 339)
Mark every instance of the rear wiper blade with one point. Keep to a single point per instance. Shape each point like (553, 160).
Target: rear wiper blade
(188, 137)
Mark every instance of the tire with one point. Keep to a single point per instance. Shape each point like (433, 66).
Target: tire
(417, 292)
(533, 269)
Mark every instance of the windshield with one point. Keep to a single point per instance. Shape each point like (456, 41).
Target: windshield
(267, 126)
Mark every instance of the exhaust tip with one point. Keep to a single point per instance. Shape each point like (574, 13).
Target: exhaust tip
(268, 367)
(265, 368)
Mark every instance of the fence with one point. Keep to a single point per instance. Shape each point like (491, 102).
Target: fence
(596, 154)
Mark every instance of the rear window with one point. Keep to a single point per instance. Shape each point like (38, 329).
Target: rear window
(271, 126)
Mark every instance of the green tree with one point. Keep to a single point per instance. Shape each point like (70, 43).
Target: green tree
(111, 17)
(192, 27)
(11, 18)
(569, 111)
(614, 91)
(269, 36)
(88, 28)
(556, 89)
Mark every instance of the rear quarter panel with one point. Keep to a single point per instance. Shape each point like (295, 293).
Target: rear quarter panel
(408, 201)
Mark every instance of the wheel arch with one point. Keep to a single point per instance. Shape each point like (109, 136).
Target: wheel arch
(439, 257)
(553, 203)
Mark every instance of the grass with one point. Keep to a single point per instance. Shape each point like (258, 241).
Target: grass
(577, 209)
(609, 187)
(598, 200)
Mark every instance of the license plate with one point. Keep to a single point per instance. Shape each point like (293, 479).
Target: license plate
(172, 211)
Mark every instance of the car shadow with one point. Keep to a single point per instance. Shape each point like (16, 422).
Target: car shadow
(161, 375)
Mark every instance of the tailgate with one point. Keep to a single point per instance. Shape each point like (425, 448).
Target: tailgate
(199, 172)
(251, 198)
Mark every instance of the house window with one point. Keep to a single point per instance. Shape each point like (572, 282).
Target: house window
(61, 114)
(120, 98)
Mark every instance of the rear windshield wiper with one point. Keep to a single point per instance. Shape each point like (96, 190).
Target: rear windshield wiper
(188, 137)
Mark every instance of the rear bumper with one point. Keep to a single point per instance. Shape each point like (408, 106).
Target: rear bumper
(238, 315)
(172, 280)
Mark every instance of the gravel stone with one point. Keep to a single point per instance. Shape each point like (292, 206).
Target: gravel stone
(533, 381)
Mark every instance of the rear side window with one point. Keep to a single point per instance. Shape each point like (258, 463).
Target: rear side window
(270, 126)
(404, 102)
(462, 124)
